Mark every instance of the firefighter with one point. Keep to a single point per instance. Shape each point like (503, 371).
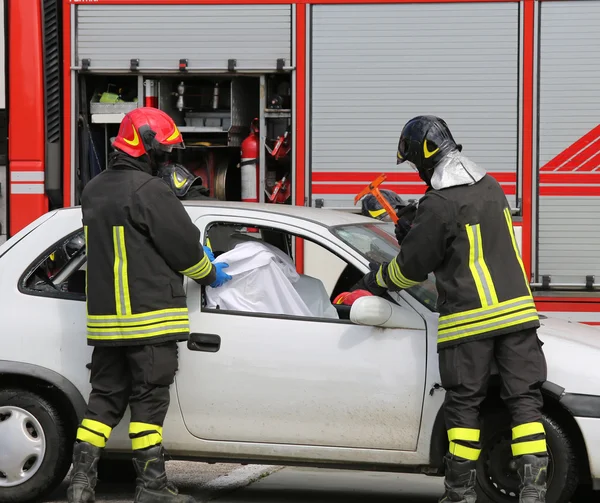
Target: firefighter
(139, 243)
(463, 233)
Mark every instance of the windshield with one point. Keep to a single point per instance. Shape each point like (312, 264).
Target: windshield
(377, 243)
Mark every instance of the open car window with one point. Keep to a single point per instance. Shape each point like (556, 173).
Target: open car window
(60, 272)
(377, 242)
(313, 291)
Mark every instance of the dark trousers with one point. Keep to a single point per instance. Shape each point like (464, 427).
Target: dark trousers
(138, 376)
(465, 372)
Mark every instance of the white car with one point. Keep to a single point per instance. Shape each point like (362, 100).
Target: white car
(361, 392)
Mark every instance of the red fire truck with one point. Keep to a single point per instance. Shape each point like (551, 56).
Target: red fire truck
(319, 91)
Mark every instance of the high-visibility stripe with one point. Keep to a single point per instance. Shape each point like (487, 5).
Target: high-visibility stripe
(137, 323)
(146, 441)
(379, 277)
(137, 332)
(122, 299)
(140, 317)
(505, 307)
(466, 434)
(511, 232)
(464, 452)
(490, 325)
(85, 237)
(479, 269)
(395, 274)
(527, 429)
(533, 447)
(27, 176)
(491, 322)
(199, 270)
(90, 437)
(136, 428)
(97, 426)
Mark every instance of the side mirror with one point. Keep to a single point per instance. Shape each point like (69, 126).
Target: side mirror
(378, 312)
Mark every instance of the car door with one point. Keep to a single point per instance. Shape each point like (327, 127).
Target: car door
(298, 380)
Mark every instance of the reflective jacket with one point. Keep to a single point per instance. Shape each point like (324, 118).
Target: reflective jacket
(139, 242)
(464, 234)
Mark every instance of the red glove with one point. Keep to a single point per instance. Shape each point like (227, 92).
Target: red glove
(348, 298)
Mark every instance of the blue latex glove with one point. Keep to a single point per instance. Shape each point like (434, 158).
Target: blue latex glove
(209, 253)
(222, 276)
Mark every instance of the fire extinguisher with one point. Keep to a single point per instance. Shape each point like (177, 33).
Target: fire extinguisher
(151, 93)
(249, 164)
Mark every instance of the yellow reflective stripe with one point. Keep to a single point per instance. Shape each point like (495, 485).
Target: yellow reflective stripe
(135, 428)
(524, 430)
(376, 213)
(118, 335)
(492, 325)
(85, 237)
(122, 299)
(533, 447)
(452, 320)
(140, 316)
(146, 441)
(96, 440)
(488, 322)
(97, 426)
(464, 452)
(137, 329)
(397, 277)
(511, 232)
(479, 270)
(467, 434)
(199, 270)
(379, 277)
(125, 323)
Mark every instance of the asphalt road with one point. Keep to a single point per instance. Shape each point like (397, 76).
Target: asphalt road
(226, 483)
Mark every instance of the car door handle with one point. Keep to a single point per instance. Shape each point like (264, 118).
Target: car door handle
(209, 343)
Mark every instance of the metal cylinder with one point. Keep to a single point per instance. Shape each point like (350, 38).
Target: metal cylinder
(151, 93)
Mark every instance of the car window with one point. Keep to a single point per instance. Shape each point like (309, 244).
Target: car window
(377, 242)
(275, 288)
(60, 272)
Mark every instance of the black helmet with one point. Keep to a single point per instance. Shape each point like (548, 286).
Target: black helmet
(371, 207)
(178, 178)
(424, 141)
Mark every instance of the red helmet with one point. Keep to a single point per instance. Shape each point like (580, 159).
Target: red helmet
(147, 129)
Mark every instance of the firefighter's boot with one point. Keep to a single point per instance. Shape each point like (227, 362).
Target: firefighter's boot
(152, 483)
(459, 481)
(85, 473)
(533, 472)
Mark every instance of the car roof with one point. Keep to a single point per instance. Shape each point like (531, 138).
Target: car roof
(325, 217)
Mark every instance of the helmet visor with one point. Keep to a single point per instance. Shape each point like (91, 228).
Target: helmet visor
(402, 151)
(161, 147)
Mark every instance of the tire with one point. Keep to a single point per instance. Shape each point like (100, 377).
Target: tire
(43, 424)
(497, 479)
(116, 471)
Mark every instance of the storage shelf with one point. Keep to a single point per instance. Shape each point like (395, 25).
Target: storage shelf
(199, 129)
(278, 113)
(107, 118)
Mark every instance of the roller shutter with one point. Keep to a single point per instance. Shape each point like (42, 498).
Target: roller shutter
(569, 146)
(375, 66)
(207, 35)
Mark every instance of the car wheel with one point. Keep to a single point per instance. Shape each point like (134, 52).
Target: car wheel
(497, 478)
(116, 471)
(35, 455)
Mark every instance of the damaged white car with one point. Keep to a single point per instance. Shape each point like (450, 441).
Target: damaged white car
(357, 388)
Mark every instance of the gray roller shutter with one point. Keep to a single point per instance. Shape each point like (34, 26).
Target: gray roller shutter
(569, 146)
(376, 66)
(207, 35)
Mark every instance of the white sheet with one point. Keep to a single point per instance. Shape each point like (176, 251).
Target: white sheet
(265, 280)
